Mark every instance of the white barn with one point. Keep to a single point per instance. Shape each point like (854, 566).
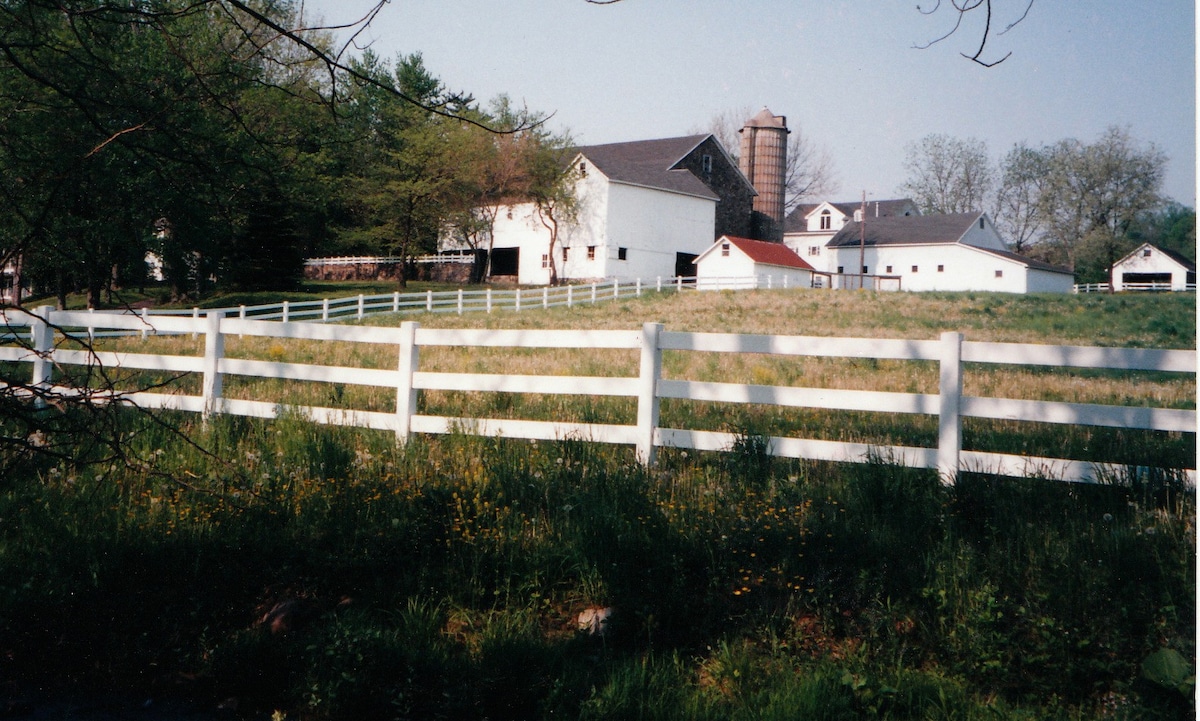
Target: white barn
(951, 252)
(733, 263)
(646, 209)
(1151, 267)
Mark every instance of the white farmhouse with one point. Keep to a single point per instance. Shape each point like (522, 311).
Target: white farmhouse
(810, 226)
(1151, 267)
(735, 263)
(951, 252)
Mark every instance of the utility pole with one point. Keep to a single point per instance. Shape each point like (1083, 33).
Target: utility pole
(862, 241)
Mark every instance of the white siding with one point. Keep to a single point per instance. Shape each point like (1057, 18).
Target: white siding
(963, 269)
(1148, 259)
(714, 271)
(653, 226)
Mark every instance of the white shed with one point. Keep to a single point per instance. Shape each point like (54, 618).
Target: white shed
(1152, 268)
(733, 263)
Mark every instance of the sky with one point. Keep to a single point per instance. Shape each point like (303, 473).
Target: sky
(846, 73)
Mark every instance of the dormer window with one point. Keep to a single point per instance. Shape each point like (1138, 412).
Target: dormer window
(826, 220)
(858, 216)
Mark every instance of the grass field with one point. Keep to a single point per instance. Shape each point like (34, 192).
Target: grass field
(323, 573)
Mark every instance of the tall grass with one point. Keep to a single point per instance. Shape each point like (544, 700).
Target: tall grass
(327, 573)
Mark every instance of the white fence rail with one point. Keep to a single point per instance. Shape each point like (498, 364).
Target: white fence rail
(1132, 287)
(648, 387)
(484, 300)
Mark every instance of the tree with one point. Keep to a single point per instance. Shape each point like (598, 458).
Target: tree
(809, 173)
(1016, 213)
(948, 175)
(1092, 196)
(961, 9)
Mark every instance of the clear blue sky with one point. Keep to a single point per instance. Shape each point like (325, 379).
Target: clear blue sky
(845, 71)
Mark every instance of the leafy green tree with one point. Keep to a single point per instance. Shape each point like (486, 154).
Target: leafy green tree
(1093, 195)
(948, 175)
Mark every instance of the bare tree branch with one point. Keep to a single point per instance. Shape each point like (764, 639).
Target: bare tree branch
(961, 8)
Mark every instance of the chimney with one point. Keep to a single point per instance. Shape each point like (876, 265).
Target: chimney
(763, 160)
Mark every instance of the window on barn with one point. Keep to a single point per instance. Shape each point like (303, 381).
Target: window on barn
(725, 249)
(622, 253)
(941, 268)
(582, 168)
(999, 274)
(914, 269)
(545, 260)
(814, 250)
(826, 220)
(840, 270)
(509, 214)
(1146, 253)
(565, 254)
(864, 270)
(591, 252)
(706, 164)
(889, 269)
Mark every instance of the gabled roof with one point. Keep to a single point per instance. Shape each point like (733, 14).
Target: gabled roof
(764, 252)
(1187, 264)
(906, 230)
(650, 164)
(796, 222)
(1027, 262)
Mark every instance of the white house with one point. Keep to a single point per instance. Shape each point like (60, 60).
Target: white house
(810, 226)
(733, 263)
(1153, 267)
(645, 209)
(951, 252)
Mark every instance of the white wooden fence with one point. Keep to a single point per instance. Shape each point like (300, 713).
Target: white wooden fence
(1132, 287)
(648, 387)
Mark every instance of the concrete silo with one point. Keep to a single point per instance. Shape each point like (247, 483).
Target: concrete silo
(763, 160)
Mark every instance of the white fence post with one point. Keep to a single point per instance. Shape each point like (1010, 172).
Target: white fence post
(949, 407)
(196, 317)
(396, 302)
(650, 368)
(214, 349)
(638, 286)
(545, 298)
(91, 329)
(517, 301)
(616, 289)
(287, 307)
(569, 296)
(406, 395)
(361, 303)
(42, 337)
(679, 284)
(145, 322)
(489, 300)
(429, 301)
(460, 302)
(325, 310)
(593, 293)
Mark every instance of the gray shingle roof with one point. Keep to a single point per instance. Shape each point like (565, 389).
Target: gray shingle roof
(1030, 262)
(906, 230)
(650, 163)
